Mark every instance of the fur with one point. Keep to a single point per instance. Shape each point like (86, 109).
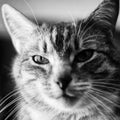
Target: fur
(63, 71)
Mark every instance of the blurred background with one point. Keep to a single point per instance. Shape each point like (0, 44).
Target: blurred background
(60, 10)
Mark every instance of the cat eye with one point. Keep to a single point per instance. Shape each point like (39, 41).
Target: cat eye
(84, 55)
(39, 59)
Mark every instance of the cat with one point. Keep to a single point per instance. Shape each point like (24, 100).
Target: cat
(66, 71)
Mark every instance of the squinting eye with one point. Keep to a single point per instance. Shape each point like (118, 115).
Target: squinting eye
(84, 55)
(39, 59)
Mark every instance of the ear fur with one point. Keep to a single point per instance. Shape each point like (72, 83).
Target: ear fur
(18, 26)
(106, 14)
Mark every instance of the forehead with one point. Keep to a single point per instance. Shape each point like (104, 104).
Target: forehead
(57, 37)
(63, 35)
(66, 37)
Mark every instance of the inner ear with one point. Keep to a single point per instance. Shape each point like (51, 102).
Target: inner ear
(18, 26)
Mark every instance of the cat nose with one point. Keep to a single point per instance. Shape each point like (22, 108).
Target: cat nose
(64, 81)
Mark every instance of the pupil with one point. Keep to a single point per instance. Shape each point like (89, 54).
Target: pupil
(40, 60)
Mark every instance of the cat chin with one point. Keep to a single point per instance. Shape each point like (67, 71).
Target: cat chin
(64, 103)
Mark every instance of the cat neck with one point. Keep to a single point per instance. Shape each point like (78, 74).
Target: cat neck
(27, 112)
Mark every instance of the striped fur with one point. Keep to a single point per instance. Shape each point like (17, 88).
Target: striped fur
(80, 73)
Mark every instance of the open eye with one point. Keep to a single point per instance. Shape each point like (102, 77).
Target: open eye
(39, 59)
(84, 55)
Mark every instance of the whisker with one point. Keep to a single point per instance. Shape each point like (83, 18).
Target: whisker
(105, 107)
(110, 79)
(73, 20)
(8, 95)
(101, 91)
(14, 110)
(91, 98)
(105, 93)
(71, 16)
(111, 111)
(3, 101)
(100, 102)
(36, 21)
(106, 85)
(9, 104)
(105, 98)
(16, 115)
(29, 6)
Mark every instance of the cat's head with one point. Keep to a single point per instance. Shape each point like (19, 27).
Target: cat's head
(66, 66)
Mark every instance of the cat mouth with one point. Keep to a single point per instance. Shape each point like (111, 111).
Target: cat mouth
(69, 96)
(70, 101)
(74, 93)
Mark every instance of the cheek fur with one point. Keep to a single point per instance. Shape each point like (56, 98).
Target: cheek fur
(29, 72)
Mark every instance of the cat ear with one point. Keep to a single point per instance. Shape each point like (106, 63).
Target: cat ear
(106, 14)
(18, 26)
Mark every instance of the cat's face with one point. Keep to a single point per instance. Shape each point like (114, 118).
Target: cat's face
(67, 67)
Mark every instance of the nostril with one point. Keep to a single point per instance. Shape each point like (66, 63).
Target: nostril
(59, 84)
(64, 81)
